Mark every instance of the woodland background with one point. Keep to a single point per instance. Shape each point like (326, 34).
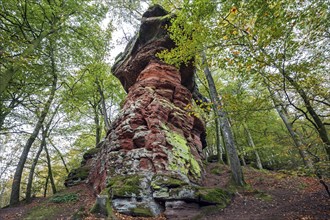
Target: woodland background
(263, 66)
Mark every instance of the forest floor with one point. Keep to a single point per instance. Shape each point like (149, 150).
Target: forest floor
(270, 195)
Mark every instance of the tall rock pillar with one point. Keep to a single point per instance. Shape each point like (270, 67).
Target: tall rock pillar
(151, 159)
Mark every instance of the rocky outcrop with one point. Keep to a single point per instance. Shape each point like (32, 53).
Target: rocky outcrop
(151, 160)
(143, 48)
(153, 137)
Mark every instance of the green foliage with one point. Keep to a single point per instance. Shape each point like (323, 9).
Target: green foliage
(64, 198)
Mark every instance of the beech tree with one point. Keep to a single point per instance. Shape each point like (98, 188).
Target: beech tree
(287, 40)
(227, 133)
(41, 38)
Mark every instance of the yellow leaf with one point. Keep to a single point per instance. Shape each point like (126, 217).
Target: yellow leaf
(233, 10)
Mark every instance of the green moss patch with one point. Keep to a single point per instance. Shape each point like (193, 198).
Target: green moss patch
(217, 196)
(125, 186)
(160, 181)
(141, 211)
(80, 173)
(103, 209)
(91, 152)
(181, 158)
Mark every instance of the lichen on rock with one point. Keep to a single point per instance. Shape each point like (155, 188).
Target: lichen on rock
(180, 158)
(152, 153)
(125, 186)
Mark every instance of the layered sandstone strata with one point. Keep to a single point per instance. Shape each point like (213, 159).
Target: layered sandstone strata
(151, 159)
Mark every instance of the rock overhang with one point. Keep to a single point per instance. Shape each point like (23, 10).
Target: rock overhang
(151, 39)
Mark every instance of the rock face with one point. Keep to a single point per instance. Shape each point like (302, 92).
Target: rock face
(151, 160)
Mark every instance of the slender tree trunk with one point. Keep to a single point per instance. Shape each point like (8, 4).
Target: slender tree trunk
(60, 154)
(240, 149)
(1, 195)
(218, 140)
(46, 186)
(103, 105)
(30, 179)
(320, 127)
(295, 137)
(15, 191)
(228, 137)
(45, 133)
(50, 173)
(251, 144)
(98, 127)
(242, 156)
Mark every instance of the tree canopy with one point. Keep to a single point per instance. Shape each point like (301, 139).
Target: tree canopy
(262, 65)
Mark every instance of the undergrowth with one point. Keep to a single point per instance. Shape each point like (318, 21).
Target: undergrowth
(63, 198)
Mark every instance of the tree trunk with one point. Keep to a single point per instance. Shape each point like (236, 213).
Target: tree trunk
(228, 137)
(240, 149)
(104, 108)
(15, 191)
(60, 154)
(50, 173)
(30, 179)
(218, 140)
(251, 144)
(98, 126)
(46, 186)
(295, 137)
(320, 127)
(45, 133)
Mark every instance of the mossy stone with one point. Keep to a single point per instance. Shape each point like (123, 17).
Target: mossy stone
(90, 153)
(82, 172)
(102, 206)
(77, 175)
(125, 186)
(160, 181)
(181, 158)
(213, 196)
(141, 211)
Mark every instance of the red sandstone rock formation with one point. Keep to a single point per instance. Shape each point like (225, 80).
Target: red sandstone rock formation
(152, 154)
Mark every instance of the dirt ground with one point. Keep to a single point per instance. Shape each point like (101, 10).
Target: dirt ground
(270, 195)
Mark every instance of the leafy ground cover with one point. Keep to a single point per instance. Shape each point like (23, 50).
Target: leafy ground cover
(269, 195)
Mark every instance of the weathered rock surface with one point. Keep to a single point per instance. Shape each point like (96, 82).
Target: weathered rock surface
(152, 156)
(142, 49)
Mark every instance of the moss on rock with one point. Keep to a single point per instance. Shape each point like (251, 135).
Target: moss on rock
(81, 172)
(214, 196)
(90, 153)
(160, 181)
(76, 176)
(181, 158)
(125, 186)
(141, 211)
